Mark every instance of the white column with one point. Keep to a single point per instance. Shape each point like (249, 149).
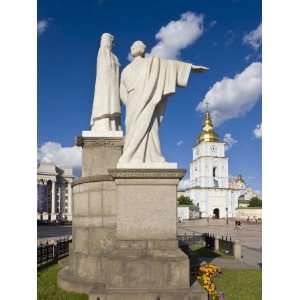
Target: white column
(53, 198)
(70, 210)
(59, 198)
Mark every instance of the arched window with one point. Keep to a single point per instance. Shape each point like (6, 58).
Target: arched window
(214, 171)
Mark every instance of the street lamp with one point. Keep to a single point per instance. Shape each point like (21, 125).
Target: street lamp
(226, 215)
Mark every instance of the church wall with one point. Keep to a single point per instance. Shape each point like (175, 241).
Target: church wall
(201, 172)
(251, 213)
(218, 199)
(199, 199)
(235, 198)
(183, 212)
(209, 199)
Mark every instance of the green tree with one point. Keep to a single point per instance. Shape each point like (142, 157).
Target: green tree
(255, 202)
(183, 200)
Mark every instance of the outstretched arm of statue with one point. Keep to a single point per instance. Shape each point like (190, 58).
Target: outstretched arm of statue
(199, 69)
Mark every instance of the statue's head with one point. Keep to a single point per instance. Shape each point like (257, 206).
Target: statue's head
(138, 48)
(107, 40)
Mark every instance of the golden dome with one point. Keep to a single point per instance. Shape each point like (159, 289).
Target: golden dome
(208, 134)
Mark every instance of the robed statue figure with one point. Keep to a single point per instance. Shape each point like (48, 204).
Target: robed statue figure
(145, 85)
(106, 105)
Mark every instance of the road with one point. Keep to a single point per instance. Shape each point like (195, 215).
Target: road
(248, 235)
(53, 231)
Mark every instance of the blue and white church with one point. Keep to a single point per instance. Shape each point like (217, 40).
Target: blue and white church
(210, 188)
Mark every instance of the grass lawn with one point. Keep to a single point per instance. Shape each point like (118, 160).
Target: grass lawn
(48, 289)
(235, 284)
(240, 284)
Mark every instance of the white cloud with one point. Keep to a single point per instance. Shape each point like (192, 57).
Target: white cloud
(179, 143)
(42, 25)
(229, 141)
(253, 38)
(183, 184)
(177, 35)
(257, 131)
(69, 157)
(233, 97)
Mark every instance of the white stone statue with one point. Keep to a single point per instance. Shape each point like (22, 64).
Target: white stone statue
(105, 119)
(145, 85)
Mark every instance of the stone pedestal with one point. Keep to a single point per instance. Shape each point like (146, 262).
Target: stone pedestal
(217, 243)
(124, 231)
(94, 214)
(99, 154)
(237, 249)
(146, 203)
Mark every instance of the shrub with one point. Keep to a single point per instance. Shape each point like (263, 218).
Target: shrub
(183, 200)
(255, 202)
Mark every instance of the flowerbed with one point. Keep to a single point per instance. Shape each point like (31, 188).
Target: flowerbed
(205, 274)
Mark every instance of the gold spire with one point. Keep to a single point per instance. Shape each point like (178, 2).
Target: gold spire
(208, 134)
(240, 179)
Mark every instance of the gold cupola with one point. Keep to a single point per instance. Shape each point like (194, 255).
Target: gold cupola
(208, 134)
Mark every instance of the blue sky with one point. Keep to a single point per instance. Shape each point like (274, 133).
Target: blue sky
(228, 42)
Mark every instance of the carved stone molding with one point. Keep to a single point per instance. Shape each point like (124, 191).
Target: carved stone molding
(99, 141)
(147, 173)
(97, 178)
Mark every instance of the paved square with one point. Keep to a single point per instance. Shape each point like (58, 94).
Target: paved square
(250, 235)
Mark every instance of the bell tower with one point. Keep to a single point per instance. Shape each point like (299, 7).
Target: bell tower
(209, 170)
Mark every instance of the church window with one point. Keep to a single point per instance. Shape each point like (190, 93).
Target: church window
(214, 171)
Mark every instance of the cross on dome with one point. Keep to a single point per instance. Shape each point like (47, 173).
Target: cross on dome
(207, 104)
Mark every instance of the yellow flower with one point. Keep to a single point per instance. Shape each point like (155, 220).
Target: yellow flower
(205, 276)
